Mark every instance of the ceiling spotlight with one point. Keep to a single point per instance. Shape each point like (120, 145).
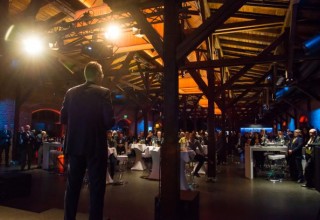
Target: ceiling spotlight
(33, 45)
(113, 32)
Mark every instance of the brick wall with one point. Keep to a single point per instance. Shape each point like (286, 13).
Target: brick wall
(6, 118)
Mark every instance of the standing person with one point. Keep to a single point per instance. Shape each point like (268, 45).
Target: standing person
(295, 156)
(41, 137)
(310, 163)
(19, 143)
(5, 142)
(87, 113)
(27, 147)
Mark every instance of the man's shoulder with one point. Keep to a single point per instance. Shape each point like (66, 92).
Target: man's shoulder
(101, 88)
(74, 89)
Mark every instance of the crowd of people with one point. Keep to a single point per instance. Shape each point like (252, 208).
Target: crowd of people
(28, 146)
(299, 143)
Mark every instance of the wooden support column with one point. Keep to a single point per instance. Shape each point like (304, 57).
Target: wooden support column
(16, 124)
(136, 122)
(145, 121)
(170, 152)
(292, 35)
(296, 119)
(223, 129)
(212, 158)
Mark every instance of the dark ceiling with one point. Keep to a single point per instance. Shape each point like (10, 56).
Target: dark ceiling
(253, 48)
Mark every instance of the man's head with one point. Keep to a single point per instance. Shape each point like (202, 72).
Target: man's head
(109, 134)
(27, 127)
(5, 127)
(93, 72)
(297, 132)
(313, 132)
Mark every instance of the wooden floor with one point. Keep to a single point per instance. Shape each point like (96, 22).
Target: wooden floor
(230, 197)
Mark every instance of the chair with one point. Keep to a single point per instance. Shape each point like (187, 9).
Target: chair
(123, 159)
(146, 156)
(277, 167)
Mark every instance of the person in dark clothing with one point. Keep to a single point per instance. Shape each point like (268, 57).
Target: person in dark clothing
(310, 163)
(5, 142)
(195, 145)
(121, 144)
(258, 155)
(111, 143)
(295, 157)
(28, 139)
(87, 113)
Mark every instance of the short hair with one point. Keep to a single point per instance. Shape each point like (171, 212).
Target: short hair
(92, 70)
(297, 131)
(312, 130)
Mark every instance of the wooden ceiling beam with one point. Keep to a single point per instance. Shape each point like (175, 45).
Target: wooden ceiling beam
(264, 3)
(252, 85)
(209, 64)
(249, 25)
(208, 27)
(33, 8)
(54, 19)
(249, 88)
(247, 67)
(149, 31)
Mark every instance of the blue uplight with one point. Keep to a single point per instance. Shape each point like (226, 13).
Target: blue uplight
(312, 45)
(315, 118)
(291, 125)
(281, 92)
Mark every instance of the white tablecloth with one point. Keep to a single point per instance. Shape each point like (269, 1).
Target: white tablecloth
(184, 158)
(47, 146)
(155, 154)
(138, 163)
(249, 158)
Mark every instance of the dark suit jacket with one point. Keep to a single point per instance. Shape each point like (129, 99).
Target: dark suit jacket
(296, 146)
(5, 138)
(87, 111)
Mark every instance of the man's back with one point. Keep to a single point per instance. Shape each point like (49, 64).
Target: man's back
(88, 113)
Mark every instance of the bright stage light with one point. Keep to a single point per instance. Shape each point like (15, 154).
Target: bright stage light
(113, 32)
(33, 45)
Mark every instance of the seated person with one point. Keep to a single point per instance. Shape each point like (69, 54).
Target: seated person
(194, 144)
(158, 140)
(111, 144)
(121, 144)
(149, 138)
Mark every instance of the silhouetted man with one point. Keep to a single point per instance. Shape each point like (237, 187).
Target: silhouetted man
(87, 113)
(5, 142)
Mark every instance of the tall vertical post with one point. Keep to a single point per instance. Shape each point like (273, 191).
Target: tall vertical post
(136, 111)
(145, 120)
(170, 152)
(212, 158)
(292, 34)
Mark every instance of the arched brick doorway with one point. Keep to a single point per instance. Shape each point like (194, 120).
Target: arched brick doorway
(47, 120)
